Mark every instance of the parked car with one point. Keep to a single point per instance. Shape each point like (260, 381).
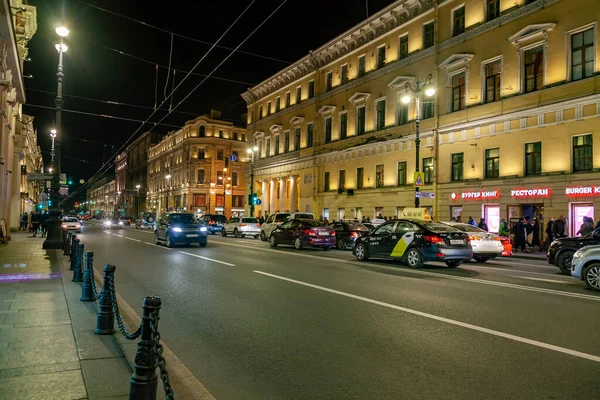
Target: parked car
(271, 223)
(303, 233)
(346, 233)
(214, 222)
(71, 224)
(586, 266)
(181, 228)
(485, 245)
(560, 253)
(146, 220)
(242, 227)
(301, 215)
(113, 223)
(126, 220)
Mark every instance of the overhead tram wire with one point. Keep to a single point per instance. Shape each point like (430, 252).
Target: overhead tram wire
(180, 35)
(100, 170)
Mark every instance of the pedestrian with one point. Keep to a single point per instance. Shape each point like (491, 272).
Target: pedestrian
(24, 222)
(503, 231)
(29, 227)
(528, 231)
(519, 232)
(471, 221)
(482, 224)
(586, 227)
(598, 225)
(363, 220)
(379, 216)
(558, 227)
(325, 221)
(44, 223)
(459, 219)
(35, 223)
(535, 240)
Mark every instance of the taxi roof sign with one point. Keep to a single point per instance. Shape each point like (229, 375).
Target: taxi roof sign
(416, 213)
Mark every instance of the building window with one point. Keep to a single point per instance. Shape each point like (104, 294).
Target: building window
(458, 92)
(288, 97)
(234, 179)
(311, 89)
(328, 81)
(380, 56)
(268, 149)
(260, 111)
(268, 108)
(493, 9)
(236, 136)
(309, 135)
(457, 167)
(236, 154)
(297, 139)
(360, 177)
(583, 153)
(328, 130)
(220, 155)
(219, 177)
(344, 74)
(492, 163)
(342, 179)
(403, 47)
(202, 131)
(277, 104)
(379, 176)
(243, 137)
(380, 114)
(428, 169)
(362, 66)
(286, 142)
(221, 133)
(201, 154)
(533, 158)
(428, 35)
(427, 109)
(276, 145)
(401, 173)
(492, 81)
(582, 54)
(343, 125)
(298, 94)
(534, 69)
(360, 120)
(458, 20)
(201, 176)
(326, 182)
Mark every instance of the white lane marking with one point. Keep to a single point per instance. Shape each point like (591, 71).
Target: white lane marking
(542, 280)
(516, 338)
(160, 247)
(135, 240)
(116, 234)
(207, 259)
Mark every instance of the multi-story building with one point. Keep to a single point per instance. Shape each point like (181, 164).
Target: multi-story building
(512, 128)
(120, 181)
(101, 198)
(18, 23)
(199, 168)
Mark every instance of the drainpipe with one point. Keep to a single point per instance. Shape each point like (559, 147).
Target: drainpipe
(436, 115)
(316, 139)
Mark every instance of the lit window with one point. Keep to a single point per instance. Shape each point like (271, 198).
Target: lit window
(582, 54)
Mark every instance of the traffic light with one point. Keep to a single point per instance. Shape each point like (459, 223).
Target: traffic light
(49, 203)
(252, 199)
(69, 182)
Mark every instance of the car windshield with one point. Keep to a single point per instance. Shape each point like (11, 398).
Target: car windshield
(356, 227)
(469, 228)
(250, 220)
(182, 219)
(304, 216)
(311, 223)
(282, 217)
(439, 227)
(70, 219)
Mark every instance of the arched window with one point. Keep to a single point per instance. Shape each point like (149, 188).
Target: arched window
(202, 131)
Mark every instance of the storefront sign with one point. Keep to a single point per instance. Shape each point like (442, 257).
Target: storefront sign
(531, 192)
(490, 194)
(582, 191)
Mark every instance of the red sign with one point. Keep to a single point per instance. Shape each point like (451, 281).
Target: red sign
(531, 192)
(489, 194)
(582, 191)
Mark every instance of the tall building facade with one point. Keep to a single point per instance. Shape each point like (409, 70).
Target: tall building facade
(120, 183)
(101, 198)
(136, 185)
(199, 168)
(511, 130)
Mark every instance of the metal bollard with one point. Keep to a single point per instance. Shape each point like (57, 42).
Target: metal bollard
(67, 251)
(78, 273)
(87, 292)
(74, 248)
(72, 245)
(64, 240)
(105, 319)
(144, 379)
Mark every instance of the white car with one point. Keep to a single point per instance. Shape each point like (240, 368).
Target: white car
(485, 245)
(271, 223)
(242, 227)
(585, 265)
(71, 224)
(302, 215)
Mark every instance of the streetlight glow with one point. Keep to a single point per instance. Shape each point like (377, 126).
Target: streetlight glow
(405, 99)
(167, 176)
(62, 31)
(249, 151)
(138, 186)
(53, 131)
(61, 47)
(255, 148)
(429, 91)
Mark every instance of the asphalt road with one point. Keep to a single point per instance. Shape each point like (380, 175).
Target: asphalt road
(253, 322)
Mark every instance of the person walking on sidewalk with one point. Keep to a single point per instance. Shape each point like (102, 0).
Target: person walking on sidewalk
(587, 227)
(558, 227)
(519, 232)
(24, 222)
(503, 231)
(35, 223)
(482, 224)
(44, 223)
(535, 240)
(471, 221)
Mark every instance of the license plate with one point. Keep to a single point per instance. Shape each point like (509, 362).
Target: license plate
(457, 241)
(191, 235)
(323, 233)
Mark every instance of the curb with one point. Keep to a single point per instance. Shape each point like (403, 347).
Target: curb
(185, 384)
(521, 257)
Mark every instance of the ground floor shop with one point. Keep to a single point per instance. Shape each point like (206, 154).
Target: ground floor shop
(199, 201)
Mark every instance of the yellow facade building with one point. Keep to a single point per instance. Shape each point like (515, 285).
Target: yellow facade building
(513, 128)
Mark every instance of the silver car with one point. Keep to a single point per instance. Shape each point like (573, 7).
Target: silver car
(241, 227)
(585, 265)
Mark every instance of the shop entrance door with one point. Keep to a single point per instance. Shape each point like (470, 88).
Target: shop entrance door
(535, 211)
(578, 211)
(492, 217)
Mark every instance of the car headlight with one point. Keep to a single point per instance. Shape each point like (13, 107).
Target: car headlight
(64, 225)
(107, 223)
(120, 222)
(577, 254)
(203, 229)
(176, 229)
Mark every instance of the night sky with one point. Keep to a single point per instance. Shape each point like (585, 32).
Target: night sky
(94, 71)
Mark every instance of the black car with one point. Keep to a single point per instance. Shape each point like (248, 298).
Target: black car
(414, 242)
(346, 233)
(560, 253)
(214, 222)
(181, 228)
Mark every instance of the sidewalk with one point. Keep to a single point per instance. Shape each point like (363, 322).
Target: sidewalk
(48, 349)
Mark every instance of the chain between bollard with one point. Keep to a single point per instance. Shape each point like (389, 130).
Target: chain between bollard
(162, 363)
(122, 327)
(93, 283)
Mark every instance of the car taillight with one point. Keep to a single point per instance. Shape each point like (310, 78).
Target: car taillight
(497, 239)
(505, 240)
(258, 225)
(434, 239)
(474, 238)
(242, 225)
(211, 222)
(354, 234)
(307, 232)
(332, 233)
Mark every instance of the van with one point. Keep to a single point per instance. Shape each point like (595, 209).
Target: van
(271, 223)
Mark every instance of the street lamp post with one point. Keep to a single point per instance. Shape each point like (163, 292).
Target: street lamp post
(54, 236)
(168, 178)
(251, 152)
(416, 90)
(137, 200)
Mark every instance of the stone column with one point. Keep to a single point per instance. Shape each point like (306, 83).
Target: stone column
(282, 192)
(293, 193)
(15, 198)
(264, 197)
(272, 195)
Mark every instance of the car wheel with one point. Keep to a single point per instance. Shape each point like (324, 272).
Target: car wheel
(236, 234)
(340, 244)
(202, 244)
(361, 252)
(169, 242)
(272, 241)
(414, 258)
(256, 236)
(481, 259)
(223, 232)
(563, 262)
(263, 237)
(156, 237)
(453, 263)
(591, 276)
(298, 244)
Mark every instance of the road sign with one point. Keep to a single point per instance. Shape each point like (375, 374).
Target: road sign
(42, 198)
(233, 157)
(63, 178)
(39, 177)
(258, 202)
(425, 195)
(419, 179)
